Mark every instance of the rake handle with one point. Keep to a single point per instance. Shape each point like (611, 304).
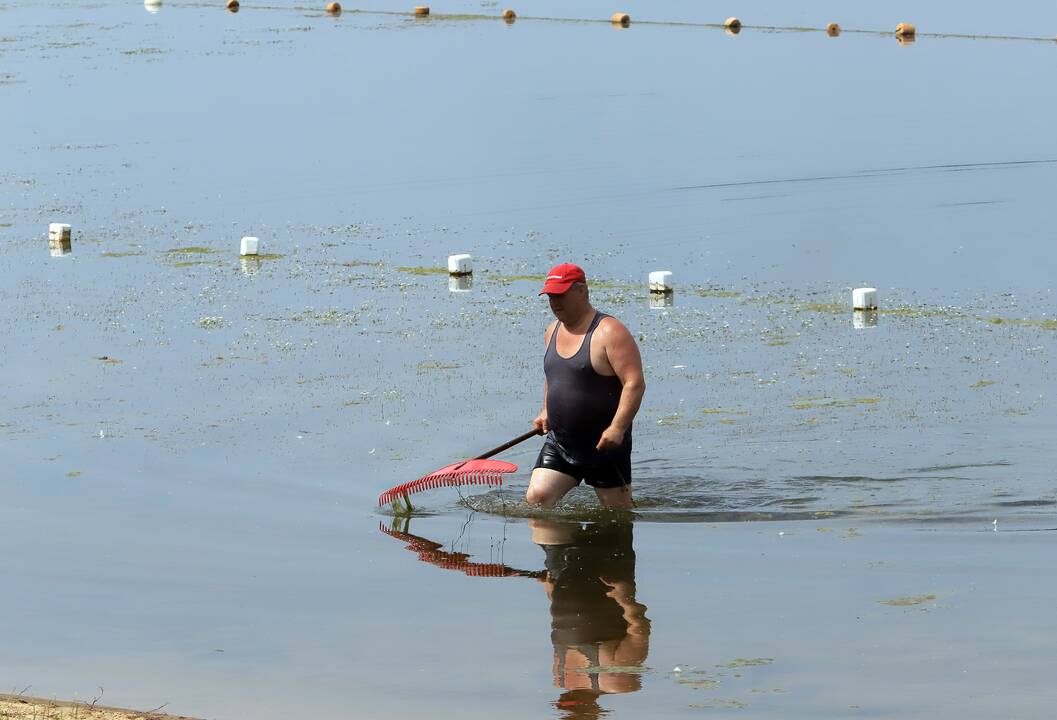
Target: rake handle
(519, 439)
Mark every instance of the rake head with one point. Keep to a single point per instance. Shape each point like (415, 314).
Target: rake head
(467, 472)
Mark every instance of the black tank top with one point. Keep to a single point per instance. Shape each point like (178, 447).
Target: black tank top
(580, 402)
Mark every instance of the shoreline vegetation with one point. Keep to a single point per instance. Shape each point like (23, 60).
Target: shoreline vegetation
(23, 707)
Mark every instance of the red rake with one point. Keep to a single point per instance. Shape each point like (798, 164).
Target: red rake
(477, 471)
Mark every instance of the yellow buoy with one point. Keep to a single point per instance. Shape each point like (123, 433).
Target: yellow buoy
(622, 19)
(233, 5)
(906, 30)
(833, 29)
(422, 10)
(509, 15)
(732, 23)
(334, 8)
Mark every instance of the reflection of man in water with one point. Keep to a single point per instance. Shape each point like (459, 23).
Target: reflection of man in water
(597, 627)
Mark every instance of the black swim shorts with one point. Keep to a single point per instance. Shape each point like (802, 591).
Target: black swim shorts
(613, 472)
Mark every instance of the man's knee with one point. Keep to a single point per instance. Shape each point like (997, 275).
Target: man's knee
(538, 496)
(547, 487)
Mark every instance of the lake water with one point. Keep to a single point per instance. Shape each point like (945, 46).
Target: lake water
(836, 516)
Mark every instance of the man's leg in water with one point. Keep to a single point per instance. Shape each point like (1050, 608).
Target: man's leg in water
(547, 487)
(618, 497)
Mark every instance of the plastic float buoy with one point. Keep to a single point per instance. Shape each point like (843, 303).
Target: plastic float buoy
(509, 15)
(248, 247)
(334, 8)
(59, 237)
(622, 19)
(661, 282)
(732, 24)
(152, 6)
(833, 29)
(906, 30)
(233, 5)
(460, 265)
(422, 10)
(59, 232)
(864, 299)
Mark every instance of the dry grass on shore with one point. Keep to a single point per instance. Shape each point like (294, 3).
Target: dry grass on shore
(21, 707)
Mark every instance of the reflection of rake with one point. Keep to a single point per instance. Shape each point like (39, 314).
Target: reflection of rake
(431, 552)
(478, 471)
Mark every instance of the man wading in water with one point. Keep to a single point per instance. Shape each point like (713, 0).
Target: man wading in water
(593, 389)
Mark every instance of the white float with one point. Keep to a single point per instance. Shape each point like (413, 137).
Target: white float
(152, 6)
(864, 299)
(248, 246)
(661, 282)
(460, 265)
(59, 232)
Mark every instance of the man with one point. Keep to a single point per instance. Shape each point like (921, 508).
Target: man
(594, 386)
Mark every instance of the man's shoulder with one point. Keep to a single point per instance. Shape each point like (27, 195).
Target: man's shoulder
(612, 327)
(550, 329)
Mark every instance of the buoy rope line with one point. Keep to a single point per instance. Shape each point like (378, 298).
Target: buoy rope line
(321, 10)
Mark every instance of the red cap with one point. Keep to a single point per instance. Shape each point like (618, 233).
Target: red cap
(561, 277)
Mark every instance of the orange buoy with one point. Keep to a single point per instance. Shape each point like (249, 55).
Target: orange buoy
(622, 19)
(905, 30)
(509, 15)
(833, 29)
(422, 10)
(334, 8)
(732, 24)
(233, 5)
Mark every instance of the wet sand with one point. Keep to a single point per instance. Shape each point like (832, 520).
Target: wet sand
(21, 707)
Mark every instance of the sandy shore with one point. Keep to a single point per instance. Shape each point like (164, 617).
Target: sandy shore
(20, 707)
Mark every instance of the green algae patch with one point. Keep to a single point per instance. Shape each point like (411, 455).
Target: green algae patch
(327, 317)
(437, 365)
(423, 270)
(131, 253)
(813, 403)
(363, 263)
(211, 323)
(722, 411)
(1038, 323)
(982, 384)
(189, 250)
(823, 308)
(748, 662)
(189, 263)
(915, 311)
(908, 601)
(704, 683)
(715, 293)
(264, 256)
(507, 279)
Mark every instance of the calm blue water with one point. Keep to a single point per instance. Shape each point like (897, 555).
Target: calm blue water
(193, 445)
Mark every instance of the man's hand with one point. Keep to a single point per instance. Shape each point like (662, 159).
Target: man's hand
(540, 423)
(612, 438)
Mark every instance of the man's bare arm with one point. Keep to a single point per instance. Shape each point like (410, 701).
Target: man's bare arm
(623, 355)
